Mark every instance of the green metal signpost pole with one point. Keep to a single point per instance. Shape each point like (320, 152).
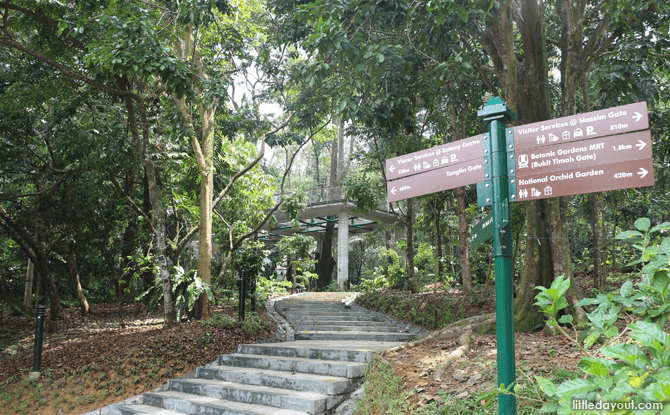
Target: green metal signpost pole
(497, 154)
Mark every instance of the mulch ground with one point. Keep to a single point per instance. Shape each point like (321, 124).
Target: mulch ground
(116, 341)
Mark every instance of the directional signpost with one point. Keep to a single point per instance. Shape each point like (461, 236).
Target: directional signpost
(434, 158)
(433, 181)
(482, 232)
(636, 173)
(583, 153)
(597, 165)
(623, 119)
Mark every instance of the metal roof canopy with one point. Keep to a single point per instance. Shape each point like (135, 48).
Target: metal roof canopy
(314, 219)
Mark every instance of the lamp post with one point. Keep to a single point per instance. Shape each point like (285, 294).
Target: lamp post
(37, 349)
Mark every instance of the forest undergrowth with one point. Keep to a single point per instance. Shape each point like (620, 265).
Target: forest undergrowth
(119, 351)
(401, 382)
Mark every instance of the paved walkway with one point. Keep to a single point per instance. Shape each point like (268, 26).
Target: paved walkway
(323, 360)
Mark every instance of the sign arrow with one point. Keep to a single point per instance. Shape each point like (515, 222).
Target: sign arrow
(579, 127)
(641, 144)
(392, 169)
(393, 190)
(642, 173)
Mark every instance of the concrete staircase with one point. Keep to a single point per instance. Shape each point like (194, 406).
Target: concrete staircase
(313, 374)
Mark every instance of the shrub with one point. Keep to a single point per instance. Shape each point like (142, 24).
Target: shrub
(253, 324)
(221, 321)
(632, 373)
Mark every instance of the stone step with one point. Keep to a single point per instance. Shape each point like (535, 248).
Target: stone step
(310, 402)
(355, 335)
(365, 317)
(354, 352)
(326, 327)
(139, 410)
(316, 311)
(294, 364)
(321, 314)
(302, 303)
(303, 382)
(185, 403)
(346, 323)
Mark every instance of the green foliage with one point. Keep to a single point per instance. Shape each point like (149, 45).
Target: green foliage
(430, 314)
(333, 287)
(371, 284)
(253, 323)
(293, 204)
(249, 257)
(425, 258)
(635, 372)
(268, 288)
(365, 189)
(187, 288)
(390, 269)
(221, 321)
(296, 249)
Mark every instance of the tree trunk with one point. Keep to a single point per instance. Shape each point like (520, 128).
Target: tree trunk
(526, 88)
(159, 216)
(598, 276)
(466, 279)
(49, 286)
(410, 239)
(28, 291)
(129, 234)
(326, 264)
(289, 275)
(594, 211)
(316, 164)
(76, 283)
(438, 241)
(204, 158)
(127, 262)
(334, 162)
(340, 152)
(463, 241)
(33, 248)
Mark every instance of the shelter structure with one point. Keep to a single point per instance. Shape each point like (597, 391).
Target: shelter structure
(327, 204)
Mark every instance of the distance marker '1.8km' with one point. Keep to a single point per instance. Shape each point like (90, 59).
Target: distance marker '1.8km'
(580, 154)
(636, 173)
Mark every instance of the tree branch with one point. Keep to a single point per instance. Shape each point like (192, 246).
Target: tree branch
(590, 13)
(65, 70)
(49, 192)
(39, 17)
(131, 202)
(223, 193)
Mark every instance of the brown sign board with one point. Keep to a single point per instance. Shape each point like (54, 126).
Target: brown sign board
(586, 153)
(434, 158)
(437, 180)
(635, 173)
(622, 119)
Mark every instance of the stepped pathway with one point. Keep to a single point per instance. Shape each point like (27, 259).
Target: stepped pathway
(313, 374)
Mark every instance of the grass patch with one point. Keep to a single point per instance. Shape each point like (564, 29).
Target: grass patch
(383, 392)
(429, 313)
(387, 393)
